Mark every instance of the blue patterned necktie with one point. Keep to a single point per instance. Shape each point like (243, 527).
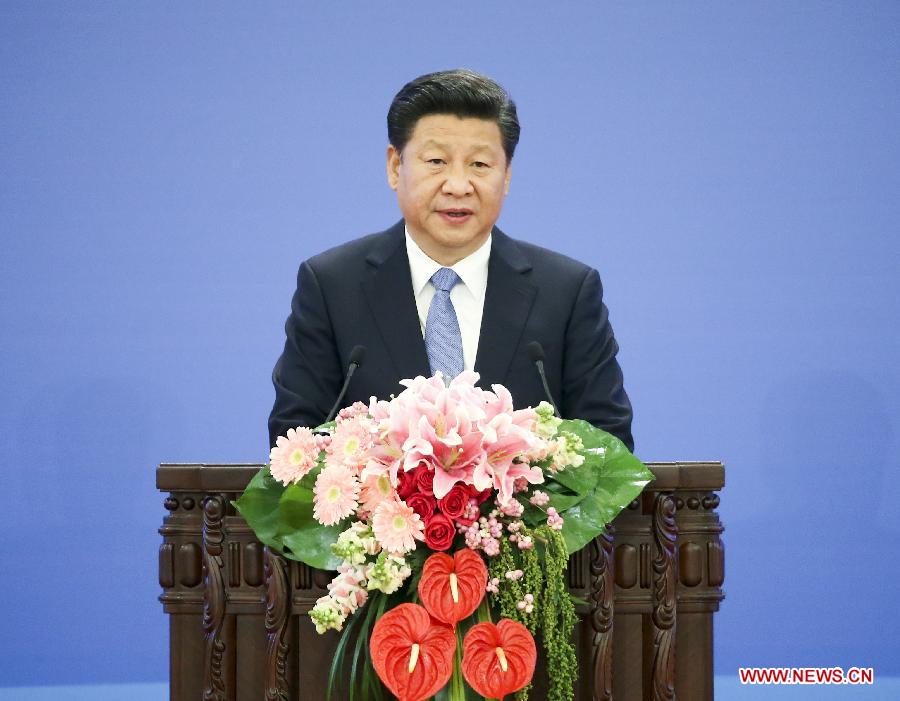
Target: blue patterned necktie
(443, 341)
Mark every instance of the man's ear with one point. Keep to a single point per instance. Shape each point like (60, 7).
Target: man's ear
(393, 167)
(507, 179)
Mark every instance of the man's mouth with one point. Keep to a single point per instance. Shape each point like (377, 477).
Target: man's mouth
(456, 213)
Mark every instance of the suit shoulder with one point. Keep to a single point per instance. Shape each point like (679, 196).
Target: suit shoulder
(351, 254)
(546, 261)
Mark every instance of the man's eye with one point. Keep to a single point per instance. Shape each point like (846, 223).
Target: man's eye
(436, 161)
(480, 164)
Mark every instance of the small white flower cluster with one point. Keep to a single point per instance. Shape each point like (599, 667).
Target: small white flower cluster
(356, 543)
(357, 576)
(564, 452)
(346, 593)
(388, 573)
(547, 421)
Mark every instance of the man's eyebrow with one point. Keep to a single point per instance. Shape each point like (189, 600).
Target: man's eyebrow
(433, 143)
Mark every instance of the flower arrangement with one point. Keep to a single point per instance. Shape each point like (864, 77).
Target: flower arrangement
(442, 510)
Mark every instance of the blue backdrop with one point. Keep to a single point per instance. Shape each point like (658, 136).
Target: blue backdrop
(730, 168)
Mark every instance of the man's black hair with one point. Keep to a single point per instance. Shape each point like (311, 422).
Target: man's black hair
(459, 92)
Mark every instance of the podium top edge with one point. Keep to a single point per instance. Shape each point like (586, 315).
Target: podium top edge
(234, 477)
(228, 477)
(687, 475)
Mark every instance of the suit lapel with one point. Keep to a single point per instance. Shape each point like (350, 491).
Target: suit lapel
(389, 294)
(507, 304)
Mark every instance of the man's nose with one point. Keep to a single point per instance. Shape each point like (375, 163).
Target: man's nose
(457, 182)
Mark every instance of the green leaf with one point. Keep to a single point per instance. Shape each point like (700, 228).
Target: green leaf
(582, 524)
(616, 476)
(535, 515)
(312, 544)
(337, 662)
(259, 506)
(580, 480)
(282, 518)
(590, 435)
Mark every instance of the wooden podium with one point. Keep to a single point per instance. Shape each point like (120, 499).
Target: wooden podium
(238, 629)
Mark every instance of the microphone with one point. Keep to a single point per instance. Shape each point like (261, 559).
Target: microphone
(536, 353)
(357, 355)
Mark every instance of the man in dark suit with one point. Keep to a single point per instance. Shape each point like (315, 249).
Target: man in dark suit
(444, 288)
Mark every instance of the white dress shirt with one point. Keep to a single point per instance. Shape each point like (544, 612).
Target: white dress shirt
(467, 295)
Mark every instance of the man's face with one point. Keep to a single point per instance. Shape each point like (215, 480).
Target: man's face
(450, 179)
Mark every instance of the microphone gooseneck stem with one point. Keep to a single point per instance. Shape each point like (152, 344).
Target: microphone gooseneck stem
(540, 369)
(337, 404)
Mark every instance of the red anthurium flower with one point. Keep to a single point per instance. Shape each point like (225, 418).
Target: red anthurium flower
(452, 587)
(412, 655)
(498, 659)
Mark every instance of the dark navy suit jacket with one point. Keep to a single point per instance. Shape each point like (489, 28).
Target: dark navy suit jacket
(360, 293)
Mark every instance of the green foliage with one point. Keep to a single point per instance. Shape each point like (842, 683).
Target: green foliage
(558, 618)
(259, 506)
(605, 484)
(533, 583)
(282, 518)
(510, 592)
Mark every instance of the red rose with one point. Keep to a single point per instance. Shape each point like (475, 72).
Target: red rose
(407, 483)
(455, 501)
(439, 532)
(425, 479)
(481, 496)
(422, 504)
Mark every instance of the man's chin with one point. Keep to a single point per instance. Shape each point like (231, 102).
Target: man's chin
(458, 247)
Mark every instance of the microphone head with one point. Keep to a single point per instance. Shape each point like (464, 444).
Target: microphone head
(535, 351)
(357, 355)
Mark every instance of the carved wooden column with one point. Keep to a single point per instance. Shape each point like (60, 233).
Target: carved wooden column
(632, 600)
(181, 579)
(664, 577)
(218, 627)
(278, 611)
(601, 614)
(700, 576)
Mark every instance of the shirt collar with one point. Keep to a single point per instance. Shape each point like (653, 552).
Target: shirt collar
(472, 269)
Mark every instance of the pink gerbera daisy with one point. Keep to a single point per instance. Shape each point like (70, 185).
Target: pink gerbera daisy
(293, 456)
(375, 489)
(350, 443)
(335, 494)
(397, 526)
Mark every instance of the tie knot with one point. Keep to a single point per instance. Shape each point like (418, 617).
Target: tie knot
(444, 279)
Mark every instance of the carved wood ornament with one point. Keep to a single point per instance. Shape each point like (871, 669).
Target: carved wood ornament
(601, 613)
(664, 534)
(277, 615)
(214, 688)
